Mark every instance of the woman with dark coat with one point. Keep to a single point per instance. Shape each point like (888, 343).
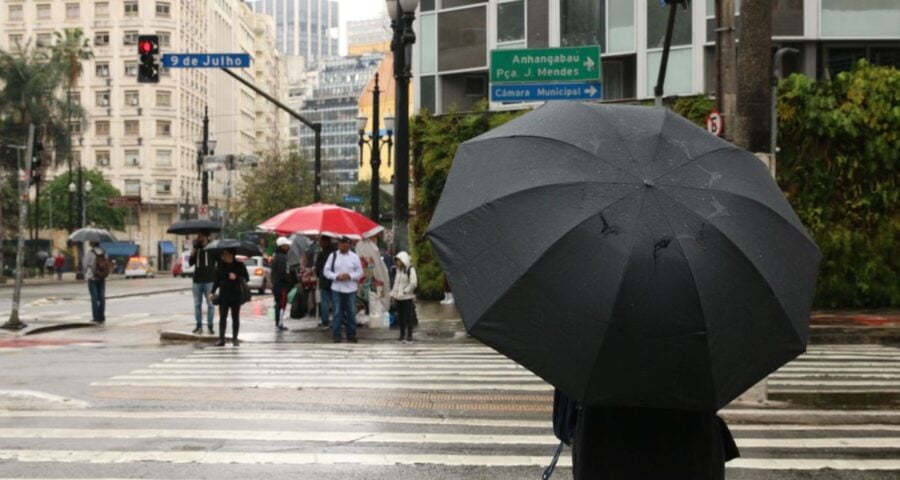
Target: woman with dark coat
(624, 443)
(229, 275)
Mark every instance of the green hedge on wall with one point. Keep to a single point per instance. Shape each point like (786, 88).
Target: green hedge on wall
(838, 166)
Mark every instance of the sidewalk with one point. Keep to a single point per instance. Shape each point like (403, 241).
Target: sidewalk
(68, 278)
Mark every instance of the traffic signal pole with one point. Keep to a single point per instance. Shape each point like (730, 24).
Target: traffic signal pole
(317, 128)
(204, 198)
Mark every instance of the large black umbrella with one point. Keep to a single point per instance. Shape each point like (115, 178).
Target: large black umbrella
(626, 256)
(91, 234)
(248, 249)
(189, 227)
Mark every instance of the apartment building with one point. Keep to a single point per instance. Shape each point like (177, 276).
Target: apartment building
(306, 28)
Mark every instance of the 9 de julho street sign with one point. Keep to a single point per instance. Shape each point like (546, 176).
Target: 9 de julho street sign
(536, 74)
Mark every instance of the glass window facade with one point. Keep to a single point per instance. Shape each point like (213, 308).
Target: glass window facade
(847, 18)
(511, 21)
(679, 71)
(538, 23)
(462, 39)
(428, 93)
(621, 26)
(582, 22)
(428, 44)
(657, 20)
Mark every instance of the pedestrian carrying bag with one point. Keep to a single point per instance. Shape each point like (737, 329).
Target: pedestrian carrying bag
(565, 420)
(101, 266)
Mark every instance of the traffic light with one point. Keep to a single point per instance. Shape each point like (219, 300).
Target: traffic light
(36, 161)
(148, 50)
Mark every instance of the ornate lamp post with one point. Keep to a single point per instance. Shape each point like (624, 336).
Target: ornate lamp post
(375, 143)
(403, 13)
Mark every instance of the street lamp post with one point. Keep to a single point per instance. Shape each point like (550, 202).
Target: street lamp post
(375, 142)
(88, 186)
(205, 147)
(73, 191)
(402, 13)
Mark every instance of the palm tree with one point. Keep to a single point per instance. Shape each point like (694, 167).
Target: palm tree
(69, 53)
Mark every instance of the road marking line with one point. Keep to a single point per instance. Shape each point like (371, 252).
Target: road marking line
(410, 379)
(245, 458)
(330, 385)
(834, 383)
(303, 371)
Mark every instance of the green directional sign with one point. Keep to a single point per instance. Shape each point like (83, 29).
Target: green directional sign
(566, 64)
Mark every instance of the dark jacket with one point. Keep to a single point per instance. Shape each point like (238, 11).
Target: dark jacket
(204, 264)
(324, 283)
(651, 444)
(281, 278)
(230, 289)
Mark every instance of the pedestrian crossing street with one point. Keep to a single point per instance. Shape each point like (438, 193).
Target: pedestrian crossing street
(413, 405)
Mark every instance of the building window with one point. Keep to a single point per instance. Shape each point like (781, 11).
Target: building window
(15, 39)
(16, 13)
(102, 158)
(132, 187)
(102, 127)
(101, 39)
(132, 158)
(165, 39)
(102, 70)
(101, 9)
(131, 69)
(73, 10)
(849, 18)
(163, 158)
(462, 39)
(75, 98)
(511, 21)
(428, 94)
(163, 9)
(621, 26)
(163, 98)
(657, 21)
(132, 98)
(103, 98)
(163, 128)
(44, 40)
(166, 218)
(163, 187)
(130, 38)
(75, 128)
(787, 18)
(132, 128)
(131, 9)
(43, 12)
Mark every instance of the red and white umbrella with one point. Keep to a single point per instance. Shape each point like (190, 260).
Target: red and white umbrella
(322, 219)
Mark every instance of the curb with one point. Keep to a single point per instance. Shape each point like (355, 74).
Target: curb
(58, 327)
(144, 294)
(738, 416)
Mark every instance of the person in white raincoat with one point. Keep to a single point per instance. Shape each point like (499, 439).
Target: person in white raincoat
(368, 252)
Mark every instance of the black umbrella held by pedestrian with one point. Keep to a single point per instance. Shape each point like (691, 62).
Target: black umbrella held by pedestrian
(192, 226)
(91, 234)
(625, 256)
(240, 247)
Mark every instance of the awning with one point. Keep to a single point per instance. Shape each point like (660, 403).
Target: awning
(119, 249)
(167, 247)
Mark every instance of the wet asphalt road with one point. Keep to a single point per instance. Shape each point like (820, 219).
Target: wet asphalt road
(114, 402)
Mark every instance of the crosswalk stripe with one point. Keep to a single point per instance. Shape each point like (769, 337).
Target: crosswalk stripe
(327, 384)
(341, 377)
(248, 458)
(880, 443)
(274, 370)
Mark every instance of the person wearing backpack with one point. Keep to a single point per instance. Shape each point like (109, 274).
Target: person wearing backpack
(344, 270)
(96, 269)
(404, 294)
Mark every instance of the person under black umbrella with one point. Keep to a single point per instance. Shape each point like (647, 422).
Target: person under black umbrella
(204, 275)
(282, 281)
(229, 275)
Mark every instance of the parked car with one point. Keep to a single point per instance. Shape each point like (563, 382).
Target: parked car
(187, 270)
(139, 267)
(260, 273)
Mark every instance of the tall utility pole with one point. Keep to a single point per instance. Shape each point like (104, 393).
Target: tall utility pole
(754, 59)
(14, 323)
(664, 62)
(401, 45)
(726, 65)
(204, 196)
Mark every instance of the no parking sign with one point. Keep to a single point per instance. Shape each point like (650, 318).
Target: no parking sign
(714, 123)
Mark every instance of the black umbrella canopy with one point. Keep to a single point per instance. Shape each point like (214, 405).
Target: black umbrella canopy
(90, 234)
(625, 255)
(189, 227)
(241, 247)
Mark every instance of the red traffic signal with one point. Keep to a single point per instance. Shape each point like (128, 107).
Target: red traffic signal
(148, 44)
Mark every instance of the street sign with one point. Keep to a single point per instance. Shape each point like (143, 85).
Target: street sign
(714, 123)
(124, 201)
(206, 60)
(536, 92)
(352, 199)
(566, 64)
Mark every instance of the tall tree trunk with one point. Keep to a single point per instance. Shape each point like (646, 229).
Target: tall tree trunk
(754, 64)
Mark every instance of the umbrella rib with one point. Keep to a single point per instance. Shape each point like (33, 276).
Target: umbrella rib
(749, 199)
(712, 377)
(619, 287)
(576, 147)
(694, 160)
(758, 272)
